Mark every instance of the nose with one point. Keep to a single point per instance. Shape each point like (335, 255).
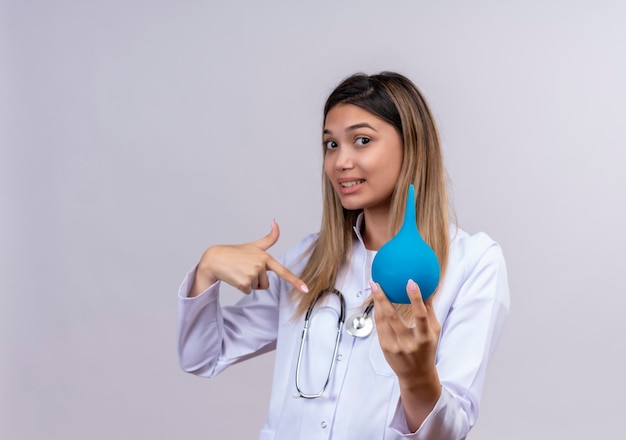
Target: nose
(344, 159)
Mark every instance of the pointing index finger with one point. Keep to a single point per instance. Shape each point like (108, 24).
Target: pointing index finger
(286, 275)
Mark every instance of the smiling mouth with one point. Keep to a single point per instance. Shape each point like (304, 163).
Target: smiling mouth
(351, 183)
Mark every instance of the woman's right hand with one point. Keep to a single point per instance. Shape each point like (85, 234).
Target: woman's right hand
(243, 266)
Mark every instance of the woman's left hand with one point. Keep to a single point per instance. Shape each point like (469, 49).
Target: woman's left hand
(410, 349)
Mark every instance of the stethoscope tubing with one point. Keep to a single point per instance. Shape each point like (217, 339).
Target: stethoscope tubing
(340, 321)
(360, 326)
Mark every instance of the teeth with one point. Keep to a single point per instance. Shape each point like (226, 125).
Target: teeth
(349, 184)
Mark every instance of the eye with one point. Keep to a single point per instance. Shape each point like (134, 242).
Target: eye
(362, 140)
(330, 145)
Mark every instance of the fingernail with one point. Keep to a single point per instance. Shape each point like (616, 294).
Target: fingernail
(373, 286)
(411, 285)
(304, 288)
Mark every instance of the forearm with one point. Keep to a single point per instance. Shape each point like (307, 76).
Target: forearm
(448, 420)
(419, 395)
(205, 275)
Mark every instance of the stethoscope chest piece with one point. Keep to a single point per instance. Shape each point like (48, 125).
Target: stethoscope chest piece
(360, 325)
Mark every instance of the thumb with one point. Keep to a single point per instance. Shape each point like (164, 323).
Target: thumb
(270, 239)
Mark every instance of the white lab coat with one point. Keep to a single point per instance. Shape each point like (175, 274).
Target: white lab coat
(363, 399)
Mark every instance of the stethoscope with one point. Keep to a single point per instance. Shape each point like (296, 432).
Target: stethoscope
(360, 325)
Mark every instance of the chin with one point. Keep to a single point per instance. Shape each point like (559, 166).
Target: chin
(352, 206)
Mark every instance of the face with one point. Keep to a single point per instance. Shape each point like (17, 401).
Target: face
(362, 159)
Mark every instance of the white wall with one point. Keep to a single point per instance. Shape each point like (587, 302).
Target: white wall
(135, 134)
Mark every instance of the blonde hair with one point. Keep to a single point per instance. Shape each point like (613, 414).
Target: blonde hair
(395, 99)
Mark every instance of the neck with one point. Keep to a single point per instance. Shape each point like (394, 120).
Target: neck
(376, 231)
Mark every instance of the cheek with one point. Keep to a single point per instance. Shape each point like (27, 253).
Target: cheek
(397, 158)
(384, 164)
(389, 166)
(328, 166)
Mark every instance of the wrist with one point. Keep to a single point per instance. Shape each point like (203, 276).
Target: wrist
(205, 277)
(205, 270)
(425, 387)
(419, 395)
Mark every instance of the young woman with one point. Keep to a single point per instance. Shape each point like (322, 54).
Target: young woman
(420, 372)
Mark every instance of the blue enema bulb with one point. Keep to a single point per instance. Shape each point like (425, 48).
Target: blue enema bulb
(406, 256)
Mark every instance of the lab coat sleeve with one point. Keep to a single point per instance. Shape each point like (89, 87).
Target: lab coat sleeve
(445, 422)
(211, 337)
(469, 335)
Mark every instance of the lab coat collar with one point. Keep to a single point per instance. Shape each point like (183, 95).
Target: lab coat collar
(357, 228)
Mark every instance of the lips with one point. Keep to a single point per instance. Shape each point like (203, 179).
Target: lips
(350, 183)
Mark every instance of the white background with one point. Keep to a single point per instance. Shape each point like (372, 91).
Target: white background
(136, 133)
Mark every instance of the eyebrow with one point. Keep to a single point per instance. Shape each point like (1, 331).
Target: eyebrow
(354, 127)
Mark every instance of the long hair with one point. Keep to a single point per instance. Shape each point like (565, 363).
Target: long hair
(396, 100)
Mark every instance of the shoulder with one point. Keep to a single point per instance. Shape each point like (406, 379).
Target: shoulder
(476, 263)
(469, 250)
(476, 269)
